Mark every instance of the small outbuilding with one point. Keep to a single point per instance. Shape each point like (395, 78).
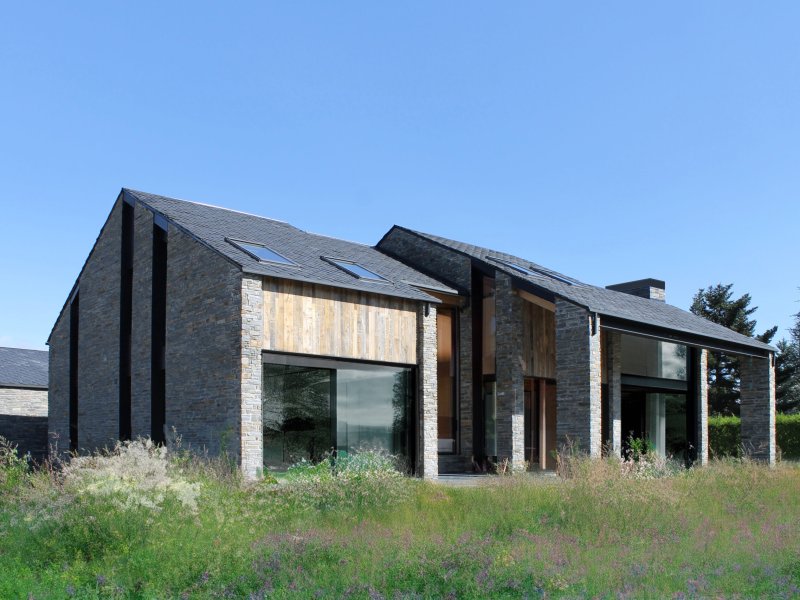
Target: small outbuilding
(23, 399)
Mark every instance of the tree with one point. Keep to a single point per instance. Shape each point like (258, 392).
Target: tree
(787, 371)
(716, 303)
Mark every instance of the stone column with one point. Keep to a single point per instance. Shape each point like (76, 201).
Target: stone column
(615, 390)
(510, 373)
(578, 379)
(701, 403)
(428, 428)
(758, 407)
(252, 449)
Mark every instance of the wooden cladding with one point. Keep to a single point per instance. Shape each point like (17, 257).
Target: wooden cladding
(539, 341)
(305, 318)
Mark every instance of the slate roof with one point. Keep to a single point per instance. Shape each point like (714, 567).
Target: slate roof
(23, 368)
(601, 300)
(212, 226)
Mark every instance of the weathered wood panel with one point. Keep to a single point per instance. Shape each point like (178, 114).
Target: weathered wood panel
(539, 341)
(313, 319)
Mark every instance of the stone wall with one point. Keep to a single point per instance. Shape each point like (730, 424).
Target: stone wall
(142, 325)
(428, 450)
(758, 407)
(428, 257)
(578, 391)
(252, 448)
(510, 369)
(98, 345)
(204, 345)
(23, 402)
(23, 419)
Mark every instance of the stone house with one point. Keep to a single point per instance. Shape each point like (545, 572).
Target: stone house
(247, 335)
(542, 360)
(23, 399)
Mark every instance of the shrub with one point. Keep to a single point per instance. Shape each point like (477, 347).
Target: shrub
(352, 482)
(651, 465)
(135, 474)
(788, 435)
(13, 469)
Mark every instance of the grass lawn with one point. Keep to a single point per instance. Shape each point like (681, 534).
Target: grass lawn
(727, 530)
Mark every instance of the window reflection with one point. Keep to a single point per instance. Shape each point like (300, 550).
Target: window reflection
(296, 413)
(653, 358)
(371, 410)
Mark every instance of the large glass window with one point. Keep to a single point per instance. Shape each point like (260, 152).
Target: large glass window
(653, 358)
(315, 406)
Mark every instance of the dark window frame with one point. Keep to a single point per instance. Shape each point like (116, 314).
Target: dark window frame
(74, 332)
(126, 322)
(158, 334)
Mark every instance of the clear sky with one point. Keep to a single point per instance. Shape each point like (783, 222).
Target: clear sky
(611, 141)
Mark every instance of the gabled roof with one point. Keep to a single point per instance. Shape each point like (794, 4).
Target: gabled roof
(23, 368)
(609, 303)
(214, 227)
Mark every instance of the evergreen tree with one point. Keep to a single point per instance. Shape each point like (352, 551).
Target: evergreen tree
(787, 371)
(716, 303)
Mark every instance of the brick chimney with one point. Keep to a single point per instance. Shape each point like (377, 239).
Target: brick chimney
(654, 289)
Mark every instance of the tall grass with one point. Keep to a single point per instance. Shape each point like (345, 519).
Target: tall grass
(363, 531)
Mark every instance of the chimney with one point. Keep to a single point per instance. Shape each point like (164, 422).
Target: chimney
(654, 289)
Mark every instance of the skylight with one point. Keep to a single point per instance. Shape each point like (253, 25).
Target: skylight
(513, 265)
(262, 253)
(533, 272)
(355, 269)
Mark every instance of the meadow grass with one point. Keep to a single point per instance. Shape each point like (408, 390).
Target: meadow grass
(726, 530)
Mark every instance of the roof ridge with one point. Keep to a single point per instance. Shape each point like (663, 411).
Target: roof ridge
(338, 239)
(25, 349)
(233, 210)
(491, 253)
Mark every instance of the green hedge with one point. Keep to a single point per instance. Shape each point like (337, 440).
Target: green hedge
(724, 436)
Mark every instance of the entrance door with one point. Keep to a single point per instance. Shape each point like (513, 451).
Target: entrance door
(532, 421)
(540, 423)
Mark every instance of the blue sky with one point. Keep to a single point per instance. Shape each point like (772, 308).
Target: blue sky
(610, 141)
